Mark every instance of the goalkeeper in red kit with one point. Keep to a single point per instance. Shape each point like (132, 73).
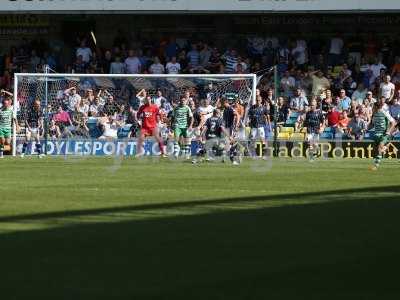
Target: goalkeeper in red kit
(148, 116)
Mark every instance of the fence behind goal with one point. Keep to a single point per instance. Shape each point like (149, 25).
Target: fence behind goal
(83, 113)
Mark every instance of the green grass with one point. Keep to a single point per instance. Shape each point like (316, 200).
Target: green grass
(104, 228)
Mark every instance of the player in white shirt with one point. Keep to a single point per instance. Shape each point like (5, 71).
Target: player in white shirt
(173, 67)
(387, 89)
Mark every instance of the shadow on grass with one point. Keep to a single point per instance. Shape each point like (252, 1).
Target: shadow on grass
(333, 195)
(333, 250)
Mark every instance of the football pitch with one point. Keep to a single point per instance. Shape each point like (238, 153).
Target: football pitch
(111, 228)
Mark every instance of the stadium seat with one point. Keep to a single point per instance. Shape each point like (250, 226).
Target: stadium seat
(396, 138)
(298, 136)
(326, 136)
(94, 131)
(123, 132)
(328, 129)
(283, 135)
(269, 135)
(294, 115)
(339, 136)
(289, 130)
(290, 122)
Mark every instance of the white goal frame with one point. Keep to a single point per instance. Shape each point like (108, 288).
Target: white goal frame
(122, 76)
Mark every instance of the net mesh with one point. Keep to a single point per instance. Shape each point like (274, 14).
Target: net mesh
(87, 107)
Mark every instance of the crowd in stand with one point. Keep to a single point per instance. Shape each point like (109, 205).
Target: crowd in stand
(345, 77)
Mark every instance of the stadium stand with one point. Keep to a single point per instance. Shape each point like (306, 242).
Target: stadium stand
(350, 80)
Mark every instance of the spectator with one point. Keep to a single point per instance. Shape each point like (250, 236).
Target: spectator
(269, 55)
(240, 66)
(300, 54)
(172, 48)
(109, 128)
(332, 117)
(396, 66)
(156, 67)
(34, 62)
(106, 62)
(344, 101)
(288, 83)
(231, 60)
(132, 63)
(63, 120)
(117, 67)
(343, 122)
(95, 107)
(173, 67)
(376, 68)
(357, 127)
(319, 83)
(299, 103)
(83, 107)
(387, 89)
(335, 51)
(205, 55)
(54, 130)
(50, 60)
(84, 51)
(72, 98)
(159, 98)
(395, 108)
(194, 57)
(359, 94)
(205, 110)
(79, 65)
(283, 111)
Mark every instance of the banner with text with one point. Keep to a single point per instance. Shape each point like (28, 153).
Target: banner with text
(195, 5)
(289, 149)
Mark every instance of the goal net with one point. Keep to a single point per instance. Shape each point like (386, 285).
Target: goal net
(84, 110)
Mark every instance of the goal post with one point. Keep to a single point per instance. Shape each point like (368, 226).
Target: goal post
(52, 91)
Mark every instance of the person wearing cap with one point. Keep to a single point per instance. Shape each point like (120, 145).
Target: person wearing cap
(370, 98)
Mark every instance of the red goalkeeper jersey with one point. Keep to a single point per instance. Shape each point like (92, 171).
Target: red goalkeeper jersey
(148, 114)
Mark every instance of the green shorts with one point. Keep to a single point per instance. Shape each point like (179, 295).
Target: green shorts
(181, 132)
(381, 139)
(5, 133)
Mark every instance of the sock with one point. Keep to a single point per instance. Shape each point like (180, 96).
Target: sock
(1, 150)
(161, 146)
(176, 148)
(39, 148)
(187, 149)
(24, 147)
(183, 148)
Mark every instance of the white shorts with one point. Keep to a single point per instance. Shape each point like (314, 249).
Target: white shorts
(34, 132)
(257, 133)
